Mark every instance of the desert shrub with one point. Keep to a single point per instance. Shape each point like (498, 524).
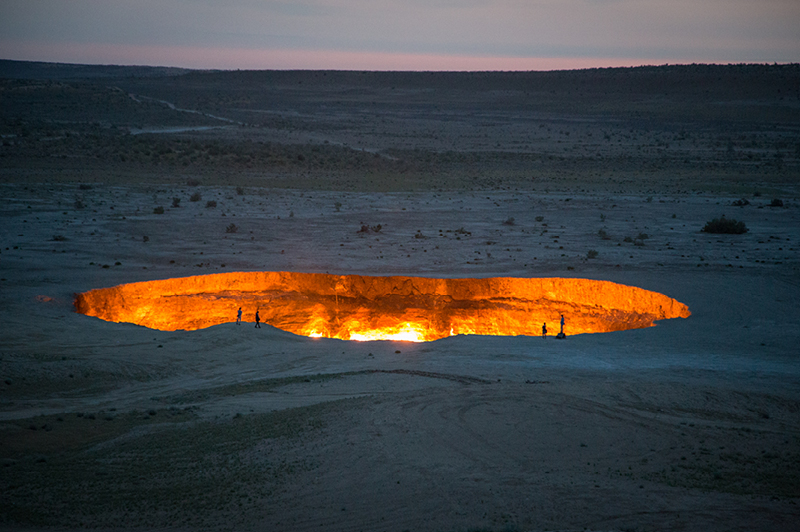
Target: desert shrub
(232, 228)
(603, 234)
(776, 203)
(192, 182)
(740, 203)
(59, 238)
(176, 202)
(642, 236)
(592, 254)
(725, 225)
(145, 238)
(649, 199)
(158, 210)
(628, 239)
(84, 186)
(539, 218)
(196, 197)
(79, 204)
(367, 228)
(240, 191)
(509, 221)
(211, 204)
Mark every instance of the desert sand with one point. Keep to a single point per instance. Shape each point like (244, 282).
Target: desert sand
(693, 424)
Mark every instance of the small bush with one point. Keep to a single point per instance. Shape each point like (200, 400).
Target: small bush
(776, 203)
(232, 228)
(196, 197)
(367, 229)
(509, 221)
(176, 202)
(158, 210)
(79, 204)
(539, 218)
(192, 182)
(240, 191)
(603, 234)
(628, 239)
(725, 225)
(59, 238)
(592, 254)
(211, 204)
(740, 203)
(84, 186)
(642, 236)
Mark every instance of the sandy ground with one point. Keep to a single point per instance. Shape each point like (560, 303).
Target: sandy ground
(690, 425)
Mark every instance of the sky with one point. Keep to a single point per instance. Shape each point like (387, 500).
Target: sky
(400, 34)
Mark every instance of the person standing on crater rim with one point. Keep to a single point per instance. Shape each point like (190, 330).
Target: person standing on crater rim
(258, 319)
(544, 330)
(561, 334)
(239, 317)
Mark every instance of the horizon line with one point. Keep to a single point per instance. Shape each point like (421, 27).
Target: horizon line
(311, 69)
(233, 59)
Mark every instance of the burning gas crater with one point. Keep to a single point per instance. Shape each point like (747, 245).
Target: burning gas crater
(356, 307)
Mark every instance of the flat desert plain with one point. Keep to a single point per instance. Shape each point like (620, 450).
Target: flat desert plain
(112, 175)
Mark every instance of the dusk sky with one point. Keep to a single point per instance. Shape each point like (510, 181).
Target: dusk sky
(406, 35)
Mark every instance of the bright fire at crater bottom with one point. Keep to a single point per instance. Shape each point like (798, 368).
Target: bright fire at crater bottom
(359, 307)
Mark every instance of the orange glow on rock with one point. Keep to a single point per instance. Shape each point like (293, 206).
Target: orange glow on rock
(359, 307)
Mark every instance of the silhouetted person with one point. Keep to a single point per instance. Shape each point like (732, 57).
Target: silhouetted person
(239, 317)
(544, 330)
(561, 335)
(258, 319)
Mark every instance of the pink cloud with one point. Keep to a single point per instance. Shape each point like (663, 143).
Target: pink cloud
(280, 59)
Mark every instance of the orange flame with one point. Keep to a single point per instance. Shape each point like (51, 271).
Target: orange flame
(356, 307)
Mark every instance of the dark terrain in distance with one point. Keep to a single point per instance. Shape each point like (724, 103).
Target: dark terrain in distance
(665, 129)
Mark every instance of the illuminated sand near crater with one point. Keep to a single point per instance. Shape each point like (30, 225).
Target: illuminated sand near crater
(356, 307)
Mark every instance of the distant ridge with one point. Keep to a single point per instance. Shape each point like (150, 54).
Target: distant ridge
(11, 69)
(22, 70)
